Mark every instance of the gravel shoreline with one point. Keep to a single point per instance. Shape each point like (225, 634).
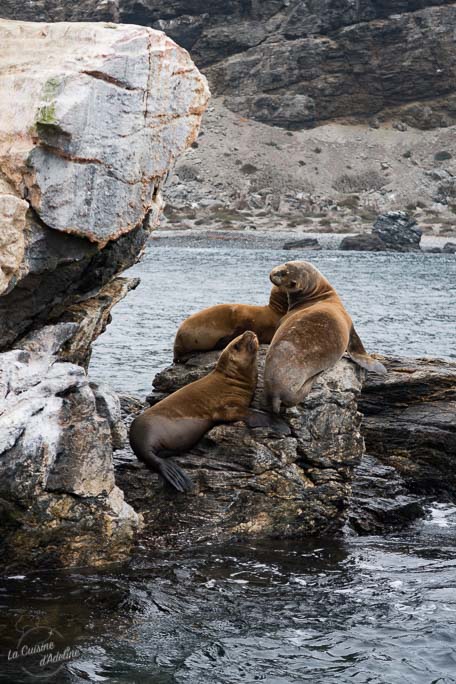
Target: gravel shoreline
(249, 239)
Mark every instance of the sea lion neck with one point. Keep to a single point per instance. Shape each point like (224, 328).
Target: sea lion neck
(278, 300)
(236, 380)
(320, 292)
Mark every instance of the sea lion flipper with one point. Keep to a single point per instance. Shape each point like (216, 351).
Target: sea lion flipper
(173, 474)
(359, 355)
(260, 419)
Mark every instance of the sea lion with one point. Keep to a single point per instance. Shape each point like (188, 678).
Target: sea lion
(311, 338)
(178, 422)
(214, 327)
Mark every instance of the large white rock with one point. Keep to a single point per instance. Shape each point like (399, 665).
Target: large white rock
(59, 503)
(92, 117)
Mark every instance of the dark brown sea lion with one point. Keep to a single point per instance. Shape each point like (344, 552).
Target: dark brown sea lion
(178, 422)
(311, 338)
(214, 327)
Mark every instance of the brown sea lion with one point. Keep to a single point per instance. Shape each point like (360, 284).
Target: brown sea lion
(311, 338)
(214, 327)
(178, 422)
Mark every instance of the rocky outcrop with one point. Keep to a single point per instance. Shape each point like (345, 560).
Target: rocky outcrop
(92, 118)
(253, 482)
(59, 504)
(101, 113)
(398, 232)
(91, 316)
(381, 501)
(394, 231)
(298, 63)
(410, 422)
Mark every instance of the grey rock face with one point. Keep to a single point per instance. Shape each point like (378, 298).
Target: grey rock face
(449, 248)
(251, 482)
(362, 243)
(108, 407)
(394, 231)
(101, 113)
(299, 63)
(398, 231)
(409, 422)
(58, 501)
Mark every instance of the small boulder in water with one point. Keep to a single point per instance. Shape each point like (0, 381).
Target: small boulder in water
(398, 231)
(305, 243)
(362, 243)
(394, 231)
(449, 248)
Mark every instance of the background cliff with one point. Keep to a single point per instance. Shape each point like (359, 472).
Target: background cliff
(366, 93)
(297, 63)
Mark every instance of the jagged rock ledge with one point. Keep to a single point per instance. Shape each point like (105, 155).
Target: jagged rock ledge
(250, 482)
(410, 422)
(59, 504)
(101, 112)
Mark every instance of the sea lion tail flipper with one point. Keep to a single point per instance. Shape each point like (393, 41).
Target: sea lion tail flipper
(174, 474)
(260, 419)
(359, 355)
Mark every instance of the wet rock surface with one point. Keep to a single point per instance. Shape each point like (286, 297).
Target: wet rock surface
(410, 422)
(252, 482)
(381, 501)
(305, 243)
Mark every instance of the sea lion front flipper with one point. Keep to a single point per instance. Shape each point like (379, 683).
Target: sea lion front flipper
(260, 419)
(359, 355)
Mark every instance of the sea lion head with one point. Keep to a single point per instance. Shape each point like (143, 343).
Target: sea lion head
(239, 358)
(298, 276)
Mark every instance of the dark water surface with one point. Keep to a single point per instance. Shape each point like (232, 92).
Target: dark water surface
(378, 610)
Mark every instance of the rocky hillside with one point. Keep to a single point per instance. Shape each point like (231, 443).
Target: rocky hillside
(296, 63)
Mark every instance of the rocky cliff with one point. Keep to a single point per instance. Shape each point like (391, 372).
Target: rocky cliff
(92, 118)
(296, 63)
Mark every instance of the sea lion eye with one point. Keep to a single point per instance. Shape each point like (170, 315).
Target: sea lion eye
(237, 346)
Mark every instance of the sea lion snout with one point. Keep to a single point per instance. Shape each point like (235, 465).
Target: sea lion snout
(284, 276)
(278, 275)
(251, 341)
